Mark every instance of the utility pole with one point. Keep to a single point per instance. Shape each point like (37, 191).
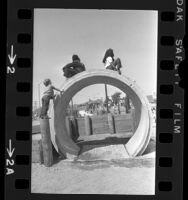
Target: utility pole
(106, 94)
(35, 105)
(39, 94)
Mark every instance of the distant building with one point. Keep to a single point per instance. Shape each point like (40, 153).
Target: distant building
(151, 99)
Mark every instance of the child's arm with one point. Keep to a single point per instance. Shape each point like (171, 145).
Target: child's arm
(57, 89)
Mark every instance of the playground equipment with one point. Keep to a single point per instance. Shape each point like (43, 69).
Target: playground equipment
(59, 133)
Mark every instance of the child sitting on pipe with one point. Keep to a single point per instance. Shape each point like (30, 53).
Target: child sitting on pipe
(73, 68)
(110, 62)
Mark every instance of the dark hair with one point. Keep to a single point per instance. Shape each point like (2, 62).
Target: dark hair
(75, 57)
(109, 53)
(47, 81)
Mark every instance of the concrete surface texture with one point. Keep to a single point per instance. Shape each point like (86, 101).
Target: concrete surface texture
(59, 135)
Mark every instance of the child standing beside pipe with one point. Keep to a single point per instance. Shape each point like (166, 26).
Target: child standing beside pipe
(47, 95)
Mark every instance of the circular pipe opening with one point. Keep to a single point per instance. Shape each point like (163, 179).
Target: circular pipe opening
(60, 138)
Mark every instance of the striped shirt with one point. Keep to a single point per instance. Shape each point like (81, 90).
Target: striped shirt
(48, 91)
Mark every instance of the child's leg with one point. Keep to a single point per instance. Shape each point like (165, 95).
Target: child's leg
(46, 101)
(42, 109)
(68, 72)
(73, 72)
(117, 63)
(111, 67)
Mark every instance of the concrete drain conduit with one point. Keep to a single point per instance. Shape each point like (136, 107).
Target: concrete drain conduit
(59, 134)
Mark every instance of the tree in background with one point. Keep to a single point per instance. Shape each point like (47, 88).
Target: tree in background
(127, 104)
(107, 100)
(116, 100)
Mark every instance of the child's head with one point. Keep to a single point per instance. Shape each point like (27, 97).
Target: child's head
(109, 53)
(47, 82)
(75, 58)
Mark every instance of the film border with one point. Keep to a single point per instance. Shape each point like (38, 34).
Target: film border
(170, 104)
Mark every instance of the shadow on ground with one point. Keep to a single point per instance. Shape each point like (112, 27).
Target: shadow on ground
(99, 143)
(87, 145)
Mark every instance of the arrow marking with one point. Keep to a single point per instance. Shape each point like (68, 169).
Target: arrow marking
(11, 56)
(10, 151)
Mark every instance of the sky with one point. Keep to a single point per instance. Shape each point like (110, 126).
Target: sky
(60, 33)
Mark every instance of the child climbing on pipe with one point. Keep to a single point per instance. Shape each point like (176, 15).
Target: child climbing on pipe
(110, 62)
(47, 95)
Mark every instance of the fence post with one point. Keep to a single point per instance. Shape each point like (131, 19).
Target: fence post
(68, 126)
(74, 128)
(46, 142)
(133, 120)
(88, 125)
(111, 123)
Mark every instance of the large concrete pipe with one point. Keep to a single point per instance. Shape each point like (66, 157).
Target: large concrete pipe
(60, 137)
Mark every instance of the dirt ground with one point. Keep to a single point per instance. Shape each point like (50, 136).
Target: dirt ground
(134, 176)
(102, 170)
